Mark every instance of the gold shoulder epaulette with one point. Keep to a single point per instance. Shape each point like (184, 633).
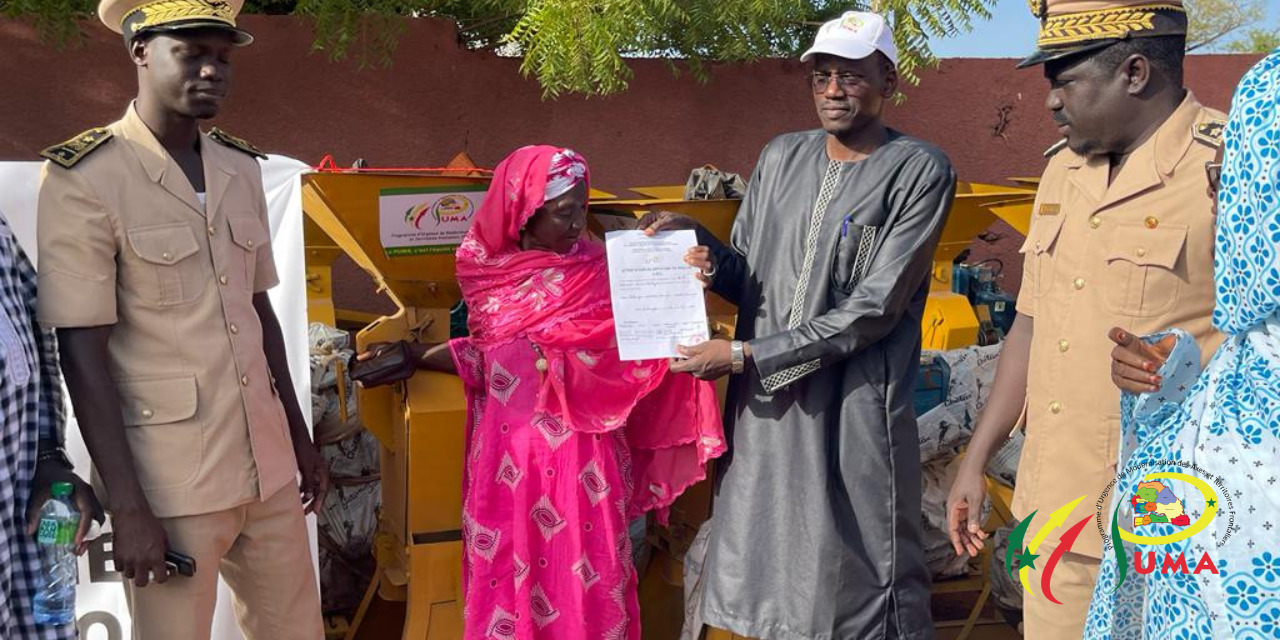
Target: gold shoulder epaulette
(1057, 146)
(68, 153)
(1209, 132)
(236, 143)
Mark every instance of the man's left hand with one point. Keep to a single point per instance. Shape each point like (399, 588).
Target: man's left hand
(710, 360)
(50, 472)
(315, 475)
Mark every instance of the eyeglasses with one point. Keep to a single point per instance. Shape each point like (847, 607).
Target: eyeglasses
(846, 81)
(1213, 171)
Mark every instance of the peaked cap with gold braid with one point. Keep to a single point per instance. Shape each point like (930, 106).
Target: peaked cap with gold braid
(1069, 27)
(136, 18)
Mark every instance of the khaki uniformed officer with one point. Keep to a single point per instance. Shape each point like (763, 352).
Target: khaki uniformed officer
(1122, 236)
(155, 259)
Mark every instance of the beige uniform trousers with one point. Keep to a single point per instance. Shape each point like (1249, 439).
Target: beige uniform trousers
(261, 550)
(1072, 584)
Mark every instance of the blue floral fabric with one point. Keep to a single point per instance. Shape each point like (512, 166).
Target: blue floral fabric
(1222, 426)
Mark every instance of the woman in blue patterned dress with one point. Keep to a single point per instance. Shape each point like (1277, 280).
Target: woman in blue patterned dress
(1221, 425)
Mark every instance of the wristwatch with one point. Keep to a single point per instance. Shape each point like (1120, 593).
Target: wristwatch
(57, 454)
(738, 357)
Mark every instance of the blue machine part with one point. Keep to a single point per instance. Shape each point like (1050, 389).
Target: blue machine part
(962, 280)
(1001, 305)
(932, 384)
(977, 282)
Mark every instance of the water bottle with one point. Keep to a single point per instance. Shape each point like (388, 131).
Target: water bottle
(56, 598)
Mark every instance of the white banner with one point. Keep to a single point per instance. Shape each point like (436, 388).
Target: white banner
(19, 184)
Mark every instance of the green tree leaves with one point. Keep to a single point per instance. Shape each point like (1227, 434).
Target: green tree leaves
(583, 46)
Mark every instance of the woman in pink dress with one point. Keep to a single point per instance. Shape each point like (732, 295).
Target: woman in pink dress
(567, 443)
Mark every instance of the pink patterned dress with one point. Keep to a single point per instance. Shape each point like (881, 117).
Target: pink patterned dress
(566, 444)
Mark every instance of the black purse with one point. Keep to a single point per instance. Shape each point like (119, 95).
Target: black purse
(395, 362)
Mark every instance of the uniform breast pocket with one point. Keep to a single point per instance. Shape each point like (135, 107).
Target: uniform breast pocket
(853, 256)
(1038, 251)
(1144, 269)
(248, 234)
(171, 272)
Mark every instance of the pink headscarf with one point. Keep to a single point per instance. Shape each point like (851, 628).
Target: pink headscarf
(510, 292)
(566, 171)
(560, 303)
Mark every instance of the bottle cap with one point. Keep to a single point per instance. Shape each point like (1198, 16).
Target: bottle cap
(63, 489)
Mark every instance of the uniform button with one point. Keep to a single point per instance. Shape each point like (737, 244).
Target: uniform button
(222, 279)
(1037, 247)
(244, 381)
(1064, 346)
(1141, 252)
(147, 413)
(1078, 283)
(209, 229)
(248, 243)
(167, 256)
(1095, 222)
(1055, 407)
(1152, 222)
(234, 328)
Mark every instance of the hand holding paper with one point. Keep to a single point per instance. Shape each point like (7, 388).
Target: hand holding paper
(658, 303)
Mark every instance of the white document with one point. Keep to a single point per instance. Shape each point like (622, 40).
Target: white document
(657, 300)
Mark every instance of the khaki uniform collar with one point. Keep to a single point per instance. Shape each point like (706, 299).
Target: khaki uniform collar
(161, 167)
(1148, 166)
(153, 156)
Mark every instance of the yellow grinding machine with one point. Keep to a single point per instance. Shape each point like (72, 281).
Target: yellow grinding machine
(421, 424)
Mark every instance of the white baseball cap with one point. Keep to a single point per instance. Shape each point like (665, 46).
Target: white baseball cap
(854, 36)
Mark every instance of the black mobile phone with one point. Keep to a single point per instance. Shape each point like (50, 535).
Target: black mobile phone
(180, 563)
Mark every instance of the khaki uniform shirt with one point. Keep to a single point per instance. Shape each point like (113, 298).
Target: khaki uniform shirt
(124, 241)
(1137, 254)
